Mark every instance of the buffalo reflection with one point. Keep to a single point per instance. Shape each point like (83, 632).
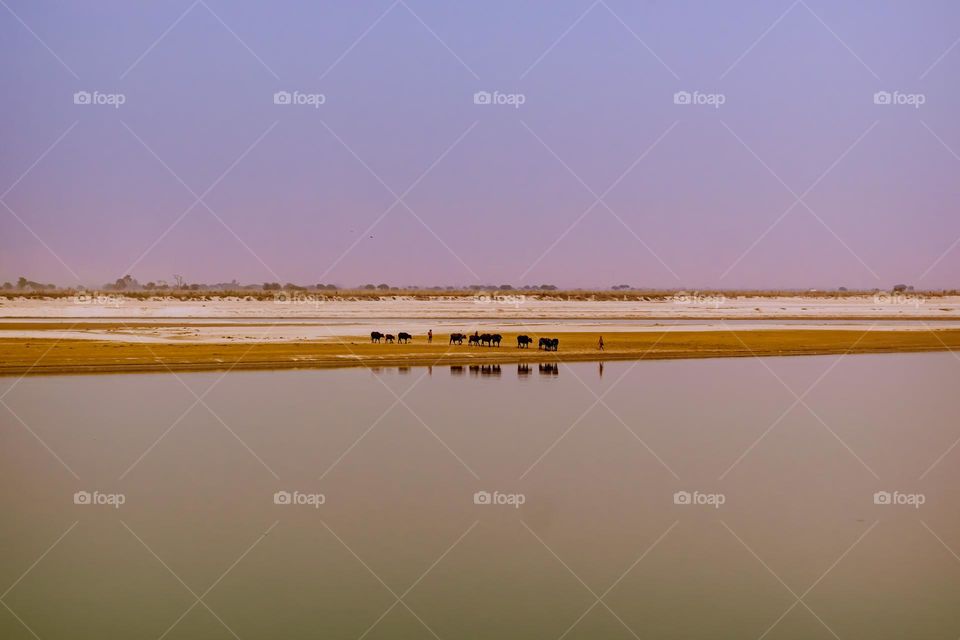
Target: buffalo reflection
(476, 369)
(524, 369)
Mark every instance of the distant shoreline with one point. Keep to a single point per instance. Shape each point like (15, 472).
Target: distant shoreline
(139, 321)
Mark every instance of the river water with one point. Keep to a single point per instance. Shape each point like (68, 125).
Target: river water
(723, 498)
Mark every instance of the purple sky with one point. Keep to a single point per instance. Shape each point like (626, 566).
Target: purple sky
(490, 193)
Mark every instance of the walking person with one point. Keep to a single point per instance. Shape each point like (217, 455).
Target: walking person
(600, 344)
(430, 335)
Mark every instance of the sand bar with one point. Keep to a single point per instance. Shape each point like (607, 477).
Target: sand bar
(53, 356)
(117, 334)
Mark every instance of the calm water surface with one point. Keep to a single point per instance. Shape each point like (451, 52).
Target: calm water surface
(589, 541)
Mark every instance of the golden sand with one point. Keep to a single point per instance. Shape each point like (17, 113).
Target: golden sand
(20, 356)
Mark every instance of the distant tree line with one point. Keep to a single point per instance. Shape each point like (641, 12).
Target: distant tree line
(29, 285)
(129, 284)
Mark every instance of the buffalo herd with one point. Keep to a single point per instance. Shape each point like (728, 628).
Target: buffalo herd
(473, 340)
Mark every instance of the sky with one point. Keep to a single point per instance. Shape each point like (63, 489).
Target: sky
(669, 144)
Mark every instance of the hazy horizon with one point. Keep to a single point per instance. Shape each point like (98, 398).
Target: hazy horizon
(794, 173)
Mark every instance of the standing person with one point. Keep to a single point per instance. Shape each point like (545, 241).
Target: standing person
(430, 335)
(600, 344)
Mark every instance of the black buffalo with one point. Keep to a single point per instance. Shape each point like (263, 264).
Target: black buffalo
(523, 342)
(389, 337)
(474, 340)
(485, 339)
(495, 339)
(457, 338)
(375, 336)
(549, 344)
(403, 336)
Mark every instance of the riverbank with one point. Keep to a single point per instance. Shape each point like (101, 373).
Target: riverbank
(49, 356)
(493, 307)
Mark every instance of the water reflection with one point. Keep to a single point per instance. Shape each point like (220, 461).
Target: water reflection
(524, 369)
